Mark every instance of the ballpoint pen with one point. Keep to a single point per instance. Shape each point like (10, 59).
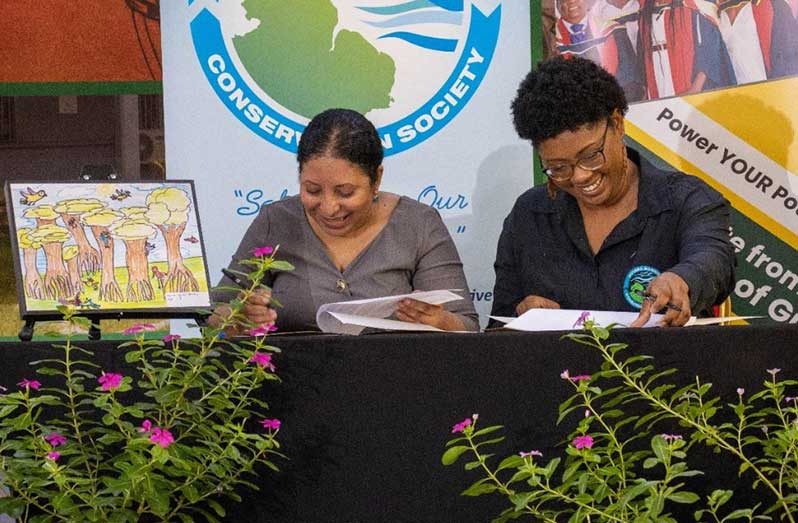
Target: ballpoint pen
(652, 297)
(235, 279)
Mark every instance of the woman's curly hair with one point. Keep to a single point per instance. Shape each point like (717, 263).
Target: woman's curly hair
(563, 94)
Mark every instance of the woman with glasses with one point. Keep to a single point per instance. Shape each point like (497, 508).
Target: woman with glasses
(610, 231)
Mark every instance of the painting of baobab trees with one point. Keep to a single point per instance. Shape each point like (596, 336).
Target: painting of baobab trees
(107, 247)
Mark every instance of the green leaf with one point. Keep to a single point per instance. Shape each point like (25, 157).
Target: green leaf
(683, 497)
(659, 447)
(8, 409)
(452, 454)
(216, 507)
(745, 513)
(509, 462)
(478, 489)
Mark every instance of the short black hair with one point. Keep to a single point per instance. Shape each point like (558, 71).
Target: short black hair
(344, 134)
(564, 94)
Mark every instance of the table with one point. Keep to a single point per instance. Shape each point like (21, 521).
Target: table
(365, 419)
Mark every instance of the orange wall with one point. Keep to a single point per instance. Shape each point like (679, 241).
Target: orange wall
(77, 41)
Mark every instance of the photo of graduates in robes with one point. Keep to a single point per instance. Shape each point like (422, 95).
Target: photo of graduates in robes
(662, 48)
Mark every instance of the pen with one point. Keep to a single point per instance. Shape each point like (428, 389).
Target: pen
(652, 297)
(232, 276)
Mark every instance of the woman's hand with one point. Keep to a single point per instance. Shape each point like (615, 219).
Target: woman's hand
(416, 311)
(535, 302)
(256, 311)
(670, 292)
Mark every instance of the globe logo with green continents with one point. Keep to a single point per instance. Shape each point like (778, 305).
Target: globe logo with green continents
(409, 65)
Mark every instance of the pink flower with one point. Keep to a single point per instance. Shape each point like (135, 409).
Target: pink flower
(138, 328)
(162, 437)
(146, 425)
(460, 427)
(773, 372)
(110, 381)
(263, 360)
(564, 374)
(740, 391)
(530, 454)
(671, 437)
(262, 330)
(263, 251)
(583, 442)
(581, 377)
(54, 455)
(587, 413)
(29, 384)
(55, 439)
(171, 337)
(582, 319)
(273, 424)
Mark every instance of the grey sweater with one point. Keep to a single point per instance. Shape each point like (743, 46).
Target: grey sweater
(413, 252)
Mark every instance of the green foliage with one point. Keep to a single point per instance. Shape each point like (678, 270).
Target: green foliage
(617, 466)
(87, 450)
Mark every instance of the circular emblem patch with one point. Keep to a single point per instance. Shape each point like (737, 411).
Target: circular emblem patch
(636, 282)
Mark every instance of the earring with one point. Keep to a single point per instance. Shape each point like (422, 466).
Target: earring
(376, 197)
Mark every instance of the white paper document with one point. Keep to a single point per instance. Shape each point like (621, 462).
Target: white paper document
(570, 319)
(351, 317)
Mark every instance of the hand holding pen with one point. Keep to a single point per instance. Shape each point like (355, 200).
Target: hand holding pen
(667, 292)
(255, 309)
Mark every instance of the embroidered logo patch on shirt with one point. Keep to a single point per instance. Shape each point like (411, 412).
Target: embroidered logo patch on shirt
(636, 282)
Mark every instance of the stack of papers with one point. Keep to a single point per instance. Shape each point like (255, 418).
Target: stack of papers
(569, 319)
(351, 317)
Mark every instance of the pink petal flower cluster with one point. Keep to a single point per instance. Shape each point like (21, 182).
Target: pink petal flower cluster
(272, 424)
(263, 251)
(530, 454)
(582, 319)
(138, 329)
(55, 439)
(671, 437)
(576, 379)
(460, 427)
(161, 437)
(583, 442)
(263, 360)
(262, 330)
(29, 384)
(158, 435)
(110, 381)
(54, 455)
(169, 338)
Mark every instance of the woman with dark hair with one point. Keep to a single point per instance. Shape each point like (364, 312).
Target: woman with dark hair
(610, 231)
(347, 239)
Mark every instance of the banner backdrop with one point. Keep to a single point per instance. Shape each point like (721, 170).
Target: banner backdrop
(739, 136)
(243, 78)
(742, 142)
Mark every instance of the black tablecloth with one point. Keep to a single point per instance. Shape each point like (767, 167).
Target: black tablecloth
(365, 419)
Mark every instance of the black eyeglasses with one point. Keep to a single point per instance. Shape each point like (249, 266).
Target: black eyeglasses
(591, 162)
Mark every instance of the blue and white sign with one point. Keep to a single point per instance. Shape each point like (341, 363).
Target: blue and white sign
(243, 86)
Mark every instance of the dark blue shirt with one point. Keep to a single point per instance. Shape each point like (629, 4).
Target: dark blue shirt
(680, 225)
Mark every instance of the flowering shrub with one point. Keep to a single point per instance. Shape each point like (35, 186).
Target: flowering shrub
(91, 448)
(619, 466)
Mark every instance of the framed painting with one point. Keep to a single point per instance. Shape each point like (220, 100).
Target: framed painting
(108, 249)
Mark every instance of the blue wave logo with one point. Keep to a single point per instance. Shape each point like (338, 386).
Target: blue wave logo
(410, 15)
(430, 26)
